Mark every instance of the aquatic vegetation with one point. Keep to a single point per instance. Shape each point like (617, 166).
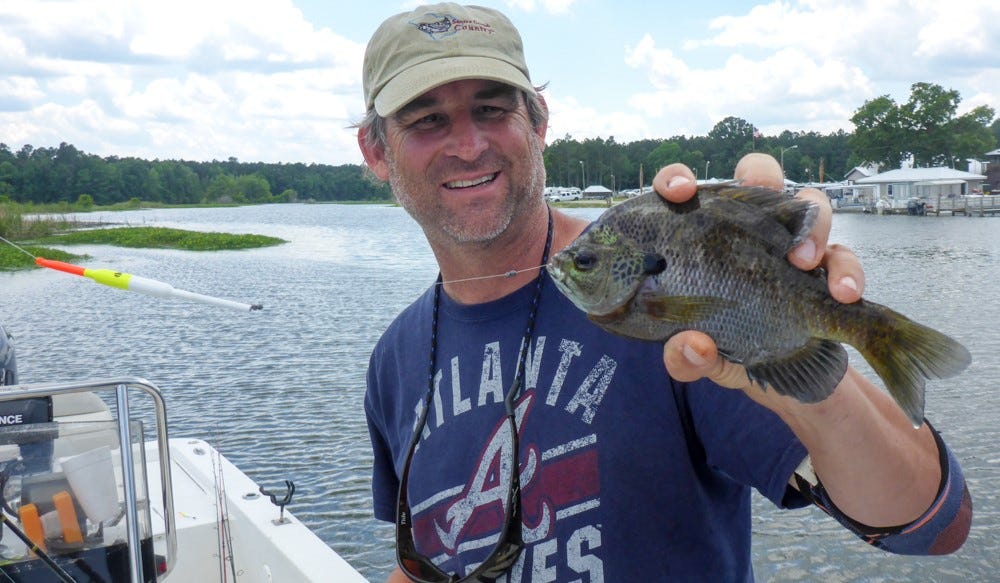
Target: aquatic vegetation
(163, 238)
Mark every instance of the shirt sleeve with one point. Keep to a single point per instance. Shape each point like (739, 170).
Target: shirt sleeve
(744, 441)
(939, 531)
(385, 483)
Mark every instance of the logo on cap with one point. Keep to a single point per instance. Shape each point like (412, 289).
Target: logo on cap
(438, 26)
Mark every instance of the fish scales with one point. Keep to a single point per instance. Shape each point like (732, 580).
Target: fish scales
(648, 269)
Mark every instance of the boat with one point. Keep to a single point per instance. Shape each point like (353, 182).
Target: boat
(157, 509)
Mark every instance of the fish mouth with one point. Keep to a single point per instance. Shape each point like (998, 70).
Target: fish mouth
(471, 182)
(564, 283)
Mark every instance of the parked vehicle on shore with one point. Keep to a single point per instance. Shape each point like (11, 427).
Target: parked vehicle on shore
(560, 193)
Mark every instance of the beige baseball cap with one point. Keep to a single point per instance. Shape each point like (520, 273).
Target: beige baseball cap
(414, 52)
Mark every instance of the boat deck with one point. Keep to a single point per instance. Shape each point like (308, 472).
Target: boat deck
(260, 549)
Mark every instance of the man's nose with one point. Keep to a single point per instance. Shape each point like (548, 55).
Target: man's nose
(467, 140)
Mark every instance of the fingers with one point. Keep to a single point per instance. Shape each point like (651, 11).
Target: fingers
(845, 276)
(692, 355)
(675, 183)
(760, 170)
(809, 254)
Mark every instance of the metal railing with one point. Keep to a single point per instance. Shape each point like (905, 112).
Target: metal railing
(121, 387)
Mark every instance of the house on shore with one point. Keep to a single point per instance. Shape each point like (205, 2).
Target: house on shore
(896, 187)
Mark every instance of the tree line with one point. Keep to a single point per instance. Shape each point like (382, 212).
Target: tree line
(65, 174)
(926, 129)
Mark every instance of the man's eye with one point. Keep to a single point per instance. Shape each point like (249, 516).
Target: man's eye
(427, 121)
(491, 112)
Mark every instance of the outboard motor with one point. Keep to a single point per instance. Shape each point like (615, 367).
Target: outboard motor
(34, 456)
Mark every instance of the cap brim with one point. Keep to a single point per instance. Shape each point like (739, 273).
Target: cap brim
(423, 77)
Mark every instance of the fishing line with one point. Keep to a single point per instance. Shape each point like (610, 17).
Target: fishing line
(18, 247)
(507, 275)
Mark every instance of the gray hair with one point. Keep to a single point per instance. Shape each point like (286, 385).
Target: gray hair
(374, 127)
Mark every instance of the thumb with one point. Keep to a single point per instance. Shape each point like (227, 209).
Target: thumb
(692, 355)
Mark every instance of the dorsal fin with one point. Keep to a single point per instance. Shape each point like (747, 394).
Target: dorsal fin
(762, 210)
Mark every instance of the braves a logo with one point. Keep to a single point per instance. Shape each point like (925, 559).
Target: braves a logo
(489, 485)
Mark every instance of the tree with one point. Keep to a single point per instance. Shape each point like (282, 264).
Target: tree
(734, 136)
(970, 136)
(222, 188)
(878, 134)
(253, 188)
(926, 118)
(925, 127)
(85, 202)
(666, 153)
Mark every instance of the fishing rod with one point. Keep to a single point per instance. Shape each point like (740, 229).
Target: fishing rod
(127, 281)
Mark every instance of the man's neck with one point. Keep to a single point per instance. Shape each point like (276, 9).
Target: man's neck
(477, 274)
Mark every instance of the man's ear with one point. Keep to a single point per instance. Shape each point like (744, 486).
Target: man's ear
(374, 156)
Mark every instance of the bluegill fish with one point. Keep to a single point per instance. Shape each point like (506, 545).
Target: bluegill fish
(648, 269)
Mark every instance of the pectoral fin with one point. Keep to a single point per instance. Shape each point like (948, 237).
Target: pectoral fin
(681, 309)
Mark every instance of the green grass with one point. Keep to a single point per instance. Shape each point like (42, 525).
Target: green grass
(162, 238)
(13, 260)
(56, 230)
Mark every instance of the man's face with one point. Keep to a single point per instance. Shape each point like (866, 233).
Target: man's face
(463, 160)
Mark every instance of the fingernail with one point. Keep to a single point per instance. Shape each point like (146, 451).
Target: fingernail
(806, 252)
(678, 181)
(850, 283)
(692, 356)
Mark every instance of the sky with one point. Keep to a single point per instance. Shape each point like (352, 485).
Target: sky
(280, 80)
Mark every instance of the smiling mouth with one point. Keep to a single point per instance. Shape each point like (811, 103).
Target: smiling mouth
(458, 184)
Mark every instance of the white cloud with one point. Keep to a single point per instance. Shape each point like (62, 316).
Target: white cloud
(189, 79)
(568, 116)
(875, 34)
(767, 92)
(256, 80)
(814, 62)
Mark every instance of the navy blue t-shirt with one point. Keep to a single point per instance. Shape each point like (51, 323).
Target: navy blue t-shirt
(613, 487)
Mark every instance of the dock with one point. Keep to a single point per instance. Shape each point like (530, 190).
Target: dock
(970, 206)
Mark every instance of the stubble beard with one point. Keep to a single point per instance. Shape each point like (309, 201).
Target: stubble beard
(438, 221)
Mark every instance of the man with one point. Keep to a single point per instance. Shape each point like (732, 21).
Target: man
(532, 446)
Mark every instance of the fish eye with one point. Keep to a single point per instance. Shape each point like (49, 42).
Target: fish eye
(584, 261)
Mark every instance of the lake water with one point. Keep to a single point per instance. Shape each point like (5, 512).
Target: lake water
(280, 391)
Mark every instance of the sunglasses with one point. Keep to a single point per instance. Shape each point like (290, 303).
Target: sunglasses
(421, 569)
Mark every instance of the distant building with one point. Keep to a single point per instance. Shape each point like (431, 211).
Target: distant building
(896, 187)
(597, 191)
(993, 172)
(859, 172)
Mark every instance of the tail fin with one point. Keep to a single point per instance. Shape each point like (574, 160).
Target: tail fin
(905, 354)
